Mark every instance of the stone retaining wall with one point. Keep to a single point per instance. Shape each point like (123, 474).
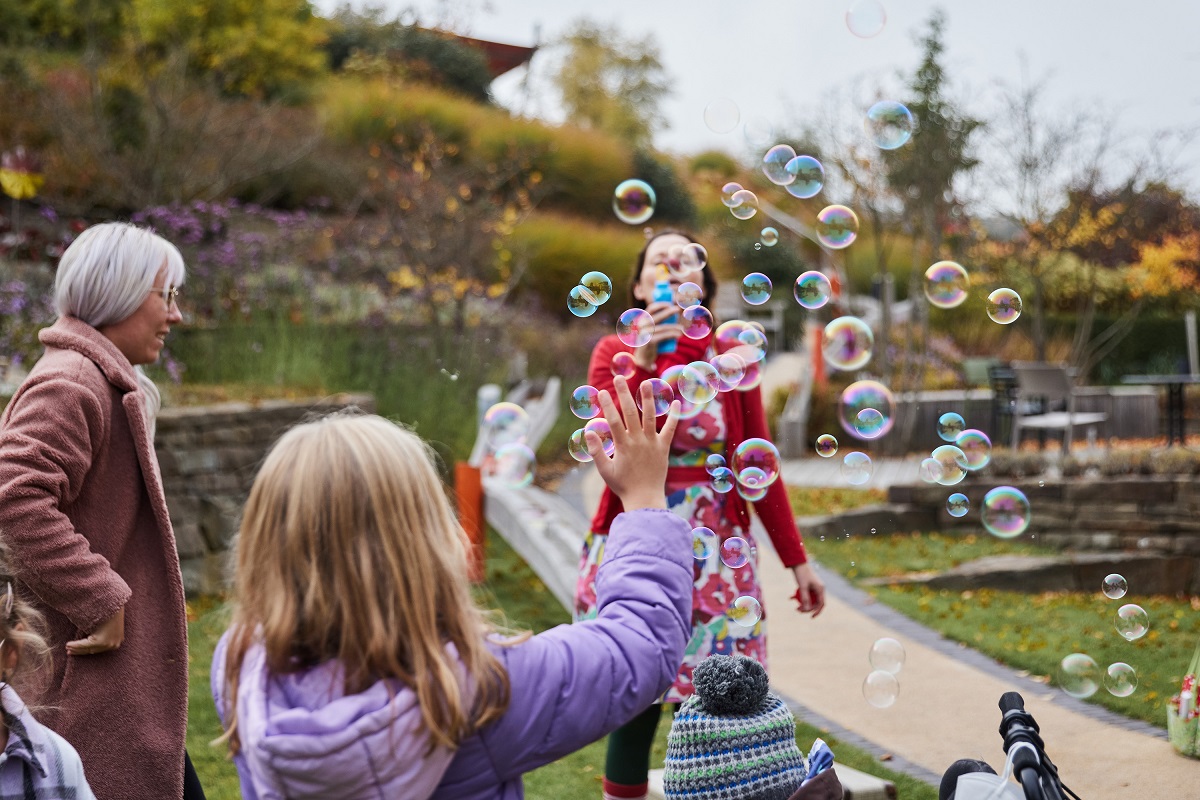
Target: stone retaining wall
(209, 456)
(1152, 514)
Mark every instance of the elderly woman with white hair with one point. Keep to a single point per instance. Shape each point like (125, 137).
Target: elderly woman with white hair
(84, 517)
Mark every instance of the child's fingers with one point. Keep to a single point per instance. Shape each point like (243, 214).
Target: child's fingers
(647, 392)
(612, 416)
(668, 429)
(629, 411)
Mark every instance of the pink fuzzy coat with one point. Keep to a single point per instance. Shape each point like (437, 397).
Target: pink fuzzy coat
(83, 513)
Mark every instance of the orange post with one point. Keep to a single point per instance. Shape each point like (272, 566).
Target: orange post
(468, 490)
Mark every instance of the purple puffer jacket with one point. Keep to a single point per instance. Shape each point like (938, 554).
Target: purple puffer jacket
(301, 738)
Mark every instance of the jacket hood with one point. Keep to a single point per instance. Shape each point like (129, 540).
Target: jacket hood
(302, 737)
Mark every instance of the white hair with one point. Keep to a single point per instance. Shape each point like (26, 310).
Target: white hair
(104, 275)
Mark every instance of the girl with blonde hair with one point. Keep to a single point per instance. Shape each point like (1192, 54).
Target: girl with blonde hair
(85, 520)
(357, 664)
(39, 762)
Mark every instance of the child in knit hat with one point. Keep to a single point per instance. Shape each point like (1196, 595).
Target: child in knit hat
(734, 740)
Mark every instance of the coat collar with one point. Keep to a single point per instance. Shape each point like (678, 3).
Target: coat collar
(72, 333)
(26, 740)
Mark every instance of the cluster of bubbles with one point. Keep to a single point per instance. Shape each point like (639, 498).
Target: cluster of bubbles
(593, 291)
(947, 284)
(1080, 676)
(506, 428)
(741, 202)
(735, 553)
(881, 687)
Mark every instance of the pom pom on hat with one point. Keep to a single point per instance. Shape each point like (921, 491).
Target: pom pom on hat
(729, 685)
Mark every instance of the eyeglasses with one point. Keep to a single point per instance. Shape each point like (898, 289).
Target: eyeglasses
(170, 294)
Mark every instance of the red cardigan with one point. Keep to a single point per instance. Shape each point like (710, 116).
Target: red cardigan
(744, 419)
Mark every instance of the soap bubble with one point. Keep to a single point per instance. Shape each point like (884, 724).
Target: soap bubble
(751, 494)
(769, 237)
(506, 423)
(623, 364)
(689, 294)
(758, 132)
(757, 454)
(1005, 512)
(684, 259)
(599, 285)
(753, 478)
(635, 326)
(727, 193)
(869, 424)
(857, 468)
(953, 462)
(812, 290)
(930, 470)
(661, 395)
(827, 445)
(848, 343)
(881, 689)
(697, 322)
(723, 480)
(1132, 621)
(1114, 586)
(958, 505)
(601, 428)
(633, 202)
(837, 227)
(698, 382)
(950, 425)
(745, 611)
(946, 284)
(722, 115)
(577, 447)
(887, 655)
(731, 368)
(1120, 679)
(585, 402)
(514, 465)
(775, 163)
(889, 124)
(866, 394)
(735, 552)
(756, 288)
(579, 302)
(1079, 675)
(808, 177)
(1004, 306)
(714, 462)
(976, 446)
(704, 543)
(866, 18)
(745, 204)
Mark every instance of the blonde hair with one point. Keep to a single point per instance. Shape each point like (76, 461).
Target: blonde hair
(103, 277)
(349, 550)
(21, 631)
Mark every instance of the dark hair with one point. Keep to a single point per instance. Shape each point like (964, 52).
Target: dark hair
(708, 282)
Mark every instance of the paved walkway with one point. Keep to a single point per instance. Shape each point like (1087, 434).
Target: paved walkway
(947, 708)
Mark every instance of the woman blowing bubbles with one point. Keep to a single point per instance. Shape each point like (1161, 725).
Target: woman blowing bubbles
(718, 427)
(84, 517)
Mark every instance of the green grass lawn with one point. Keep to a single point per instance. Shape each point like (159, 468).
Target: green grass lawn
(1028, 632)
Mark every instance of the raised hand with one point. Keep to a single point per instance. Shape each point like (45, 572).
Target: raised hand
(637, 470)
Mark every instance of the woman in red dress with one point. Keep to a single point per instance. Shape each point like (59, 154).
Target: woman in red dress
(720, 623)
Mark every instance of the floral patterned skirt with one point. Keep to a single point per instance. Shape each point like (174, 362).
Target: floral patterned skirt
(715, 629)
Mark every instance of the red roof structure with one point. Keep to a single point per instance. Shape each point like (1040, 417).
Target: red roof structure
(501, 57)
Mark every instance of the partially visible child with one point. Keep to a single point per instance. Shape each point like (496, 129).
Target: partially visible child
(36, 762)
(734, 740)
(357, 664)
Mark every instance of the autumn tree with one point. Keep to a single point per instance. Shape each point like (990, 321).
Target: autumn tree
(612, 83)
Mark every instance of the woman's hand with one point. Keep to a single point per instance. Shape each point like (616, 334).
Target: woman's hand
(810, 592)
(107, 637)
(637, 470)
(647, 355)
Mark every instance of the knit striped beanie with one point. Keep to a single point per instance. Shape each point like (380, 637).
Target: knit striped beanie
(732, 739)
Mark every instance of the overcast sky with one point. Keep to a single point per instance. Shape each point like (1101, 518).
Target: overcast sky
(779, 60)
